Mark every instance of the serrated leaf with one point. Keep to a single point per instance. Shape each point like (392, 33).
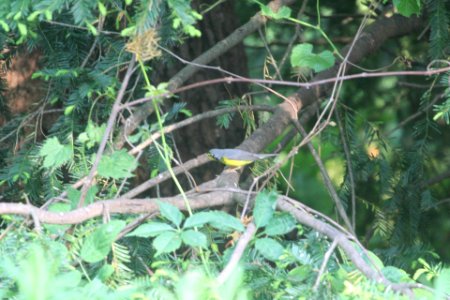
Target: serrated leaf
(265, 203)
(269, 248)
(407, 7)
(302, 56)
(92, 135)
(217, 219)
(194, 238)
(98, 244)
(118, 165)
(170, 212)
(167, 242)
(55, 154)
(280, 224)
(151, 229)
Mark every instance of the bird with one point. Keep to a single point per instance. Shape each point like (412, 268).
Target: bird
(236, 157)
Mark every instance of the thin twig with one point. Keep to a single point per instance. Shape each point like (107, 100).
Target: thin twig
(109, 127)
(326, 258)
(237, 253)
(327, 180)
(348, 160)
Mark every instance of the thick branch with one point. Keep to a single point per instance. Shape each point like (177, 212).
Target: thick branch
(121, 206)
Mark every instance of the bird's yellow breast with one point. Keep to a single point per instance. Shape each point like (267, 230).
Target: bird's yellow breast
(235, 162)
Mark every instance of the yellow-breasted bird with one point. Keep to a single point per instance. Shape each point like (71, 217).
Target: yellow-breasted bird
(236, 157)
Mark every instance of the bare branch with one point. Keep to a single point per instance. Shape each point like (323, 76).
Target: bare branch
(237, 253)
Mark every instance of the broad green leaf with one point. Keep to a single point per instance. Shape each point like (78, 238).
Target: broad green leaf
(374, 259)
(54, 153)
(282, 13)
(395, 275)
(302, 56)
(171, 213)
(217, 219)
(265, 203)
(98, 244)
(269, 248)
(167, 242)
(105, 272)
(280, 224)
(118, 165)
(151, 229)
(300, 273)
(442, 285)
(194, 238)
(407, 7)
(198, 219)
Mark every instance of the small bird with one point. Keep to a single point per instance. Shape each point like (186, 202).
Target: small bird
(236, 157)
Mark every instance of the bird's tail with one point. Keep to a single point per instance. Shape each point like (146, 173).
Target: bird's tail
(263, 156)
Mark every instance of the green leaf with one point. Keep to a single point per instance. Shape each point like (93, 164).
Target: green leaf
(98, 244)
(395, 275)
(194, 238)
(74, 196)
(118, 165)
(102, 8)
(302, 56)
(441, 284)
(282, 13)
(92, 135)
(265, 203)
(130, 31)
(4, 25)
(22, 29)
(92, 28)
(301, 273)
(171, 213)
(407, 7)
(54, 153)
(280, 224)
(167, 242)
(68, 110)
(33, 15)
(151, 229)
(269, 248)
(105, 272)
(217, 219)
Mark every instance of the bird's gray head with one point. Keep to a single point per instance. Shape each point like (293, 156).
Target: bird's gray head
(215, 154)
